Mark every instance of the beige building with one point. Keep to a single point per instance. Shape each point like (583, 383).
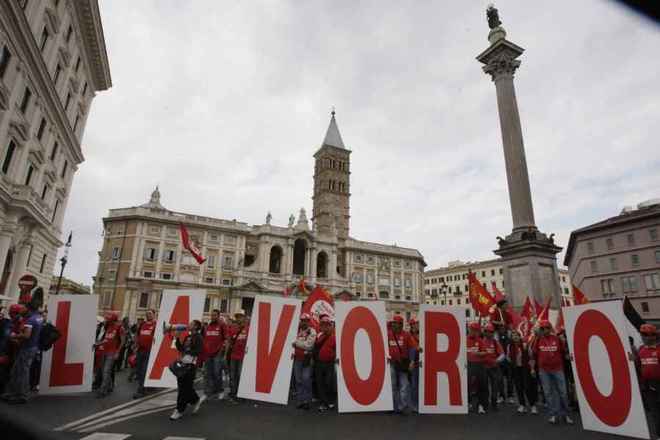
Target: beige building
(620, 256)
(142, 253)
(68, 287)
(449, 285)
(52, 63)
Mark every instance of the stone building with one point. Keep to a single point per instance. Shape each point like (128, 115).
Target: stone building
(142, 253)
(52, 63)
(68, 287)
(620, 256)
(448, 285)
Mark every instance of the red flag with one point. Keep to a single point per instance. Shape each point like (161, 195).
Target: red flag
(301, 285)
(480, 298)
(527, 311)
(516, 319)
(538, 308)
(546, 310)
(559, 325)
(189, 245)
(320, 302)
(499, 296)
(578, 296)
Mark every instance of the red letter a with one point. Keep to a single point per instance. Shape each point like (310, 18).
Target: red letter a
(167, 354)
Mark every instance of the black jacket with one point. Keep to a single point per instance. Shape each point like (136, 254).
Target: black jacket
(192, 345)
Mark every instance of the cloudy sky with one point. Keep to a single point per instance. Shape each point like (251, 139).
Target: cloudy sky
(222, 104)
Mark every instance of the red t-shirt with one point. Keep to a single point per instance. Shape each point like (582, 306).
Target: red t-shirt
(400, 351)
(475, 345)
(549, 353)
(112, 338)
(214, 338)
(493, 350)
(648, 357)
(327, 347)
(145, 337)
(239, 338)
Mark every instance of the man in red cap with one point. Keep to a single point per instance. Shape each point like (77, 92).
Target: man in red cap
(648, 363)
(302, 361)
(214, 340)
(549, 353)
(325, 353)
(143, 343)
(477, 382)
(113, 339)
(493, 357)
(399, 342)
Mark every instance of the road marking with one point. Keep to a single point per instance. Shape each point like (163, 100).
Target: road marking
(106, 436)
(93, 426)
(184, 438)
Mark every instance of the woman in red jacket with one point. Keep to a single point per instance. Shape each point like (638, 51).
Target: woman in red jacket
(526, 386)
(324, 363)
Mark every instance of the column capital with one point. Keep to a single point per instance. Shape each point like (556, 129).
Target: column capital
(500, 59)
(501, 67)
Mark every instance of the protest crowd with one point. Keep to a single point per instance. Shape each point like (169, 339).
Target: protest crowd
(527, 366)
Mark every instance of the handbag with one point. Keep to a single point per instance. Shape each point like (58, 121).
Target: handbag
(179, 369)
(403, 364)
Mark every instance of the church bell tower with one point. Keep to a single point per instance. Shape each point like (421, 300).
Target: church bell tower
(331, 184)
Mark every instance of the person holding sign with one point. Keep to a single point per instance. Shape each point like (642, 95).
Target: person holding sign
(549, 353)
(302, 361)
(186, 367)
(400, 343)
(649, 368)
(325, 353)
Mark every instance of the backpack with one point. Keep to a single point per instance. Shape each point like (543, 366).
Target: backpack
(49, 334)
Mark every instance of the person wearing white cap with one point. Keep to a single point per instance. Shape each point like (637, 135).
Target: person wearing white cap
(302, 361)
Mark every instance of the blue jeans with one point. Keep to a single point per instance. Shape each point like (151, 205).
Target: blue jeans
(213, 380)
(141, 362)
(554, 390)
(19, 382)
(414, 388)
(400, 389)
(303, 377)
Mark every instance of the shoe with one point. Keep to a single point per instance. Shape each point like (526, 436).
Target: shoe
(500, 399)
(331, 406)
(511, 400)
(534, 410)
(323, 408)
(305, 406)
(405, 412)
(522, 409)
(138, 395)
(569, 421)
(176, 415)
(552, 420)
(481, 410)
(198, 404)
(221, 395)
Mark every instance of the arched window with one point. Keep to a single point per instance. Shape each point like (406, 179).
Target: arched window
(322, 265)
(299, 251)
(275, 259)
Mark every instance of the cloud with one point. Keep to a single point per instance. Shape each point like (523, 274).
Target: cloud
(224, 103)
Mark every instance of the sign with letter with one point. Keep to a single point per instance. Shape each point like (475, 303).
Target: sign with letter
(176, 307)
(364, 382)
(267, 365)
(605, 377)
(68, 366)
(442, 377)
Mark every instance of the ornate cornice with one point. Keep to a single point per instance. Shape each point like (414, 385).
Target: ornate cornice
(500, 59)
(89, 21)
(501, 66)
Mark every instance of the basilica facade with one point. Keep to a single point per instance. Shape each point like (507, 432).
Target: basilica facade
(142, 254)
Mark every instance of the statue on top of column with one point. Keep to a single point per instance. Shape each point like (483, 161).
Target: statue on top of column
(493, 16)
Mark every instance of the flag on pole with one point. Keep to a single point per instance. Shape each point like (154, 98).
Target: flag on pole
(68, 241)
(527, 311)
(480, 298)
(545, 312)
(578, 296)
(538, 308)
(499, 296)
(189, 245)
(301, 286)
(559, 325)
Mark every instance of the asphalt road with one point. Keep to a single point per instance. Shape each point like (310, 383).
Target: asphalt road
(84, 416)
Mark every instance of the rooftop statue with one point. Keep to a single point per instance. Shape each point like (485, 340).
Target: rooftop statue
(493, 17)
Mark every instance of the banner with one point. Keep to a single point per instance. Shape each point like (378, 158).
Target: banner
(442, 377)
(319, 302)
(364, 382)
(68, 366)
(605, 377)
(176, 307)
(267, 365)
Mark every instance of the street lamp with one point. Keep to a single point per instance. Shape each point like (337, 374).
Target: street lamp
(443, 290)
(63, 261)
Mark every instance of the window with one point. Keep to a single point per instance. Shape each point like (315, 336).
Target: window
(44, 38)
(42, 127)
(492, 272)
(594, 266)
(25, 102)
(501, 271)
(613, 264)
(166, 276)
(8, 157)
(631, 239)
(210, 261)
(223, 305)
(207, 304)
(43, 263)
(69, 32)
(653, 234)
(5, 58)
(57, 205)
(144, 300)
(458, 301)
(64, 168)
(228, 261)
(56, 77)
(607, 286)
(107, 298)
(68, 101)
(226, 282)
(483, 274)
(78, 64)
(44, 191)
(450, 303)
(657, 256)
(634, 260)
(53, 152)
(652, 281)
(645, 307)
(209, 280)
(148, 274)
(30, 173)
(610, 243)
(115, 253)
(630, 284)
(590, 247)
(150, 253)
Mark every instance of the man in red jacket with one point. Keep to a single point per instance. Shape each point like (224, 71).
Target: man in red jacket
(213, 354)
(113, 339)
(493, 356)
(476, 372)
(236, 349)
(549, 353)
(325, 353)
(649, 367)
(143, 343)
(399, 342)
